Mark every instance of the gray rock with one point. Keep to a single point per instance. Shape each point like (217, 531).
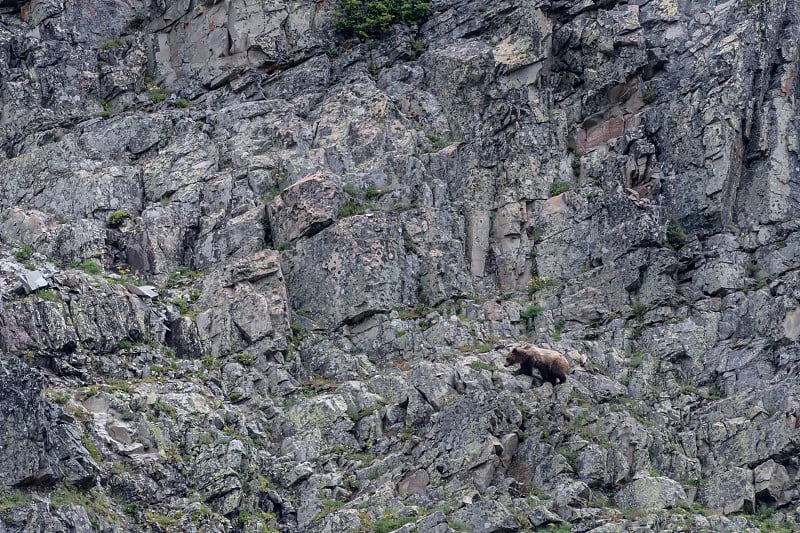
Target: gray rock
(489, 516)
(650, 494)
(32, 280)
(349, 271)
(306, 207)
(729, 491)
(39, 442)
(772, 483)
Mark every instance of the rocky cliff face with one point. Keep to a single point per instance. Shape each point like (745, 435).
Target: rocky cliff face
(344, 238)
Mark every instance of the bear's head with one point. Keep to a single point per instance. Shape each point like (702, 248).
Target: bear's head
(516, 356)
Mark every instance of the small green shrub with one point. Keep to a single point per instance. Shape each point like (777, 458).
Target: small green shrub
(571, 457)
(164, 521)
(271, 194)
(385, 525)
(676, 237)
(125, 344)
(576, 165)
(157, 95)
(210, 362)
(457, 525)
(371, 193)
(536, 284)
(135, 24)
(559, 187)
(636, 359)
(369, 18)
(48, 295)
(639, 309)
(163, 407)
(184, 273)
(111, 44)
(89, 266)
(350, 189)
(751, 269)
(182, 305)
(437, 142)
(649, 95)
(479, 365)
(531, 312)
(351, 208)
(116, 218)
(107, 110)
(418, 46)
(14, 499)
(181, 103)
(245, 358)
(91, 448)
(558, 329)
(23, 253)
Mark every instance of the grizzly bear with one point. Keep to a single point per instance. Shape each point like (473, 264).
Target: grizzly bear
(551, 365)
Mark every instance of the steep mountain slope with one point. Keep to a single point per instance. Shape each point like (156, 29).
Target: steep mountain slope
(347, 236)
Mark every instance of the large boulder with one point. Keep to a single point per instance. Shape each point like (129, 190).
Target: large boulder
(38, 441)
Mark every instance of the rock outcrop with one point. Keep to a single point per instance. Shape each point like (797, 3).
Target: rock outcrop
(340, 237)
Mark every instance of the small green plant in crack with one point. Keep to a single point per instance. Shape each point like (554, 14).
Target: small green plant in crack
(571, 456)
(131, 509)
(530, 313)
(88, 266)
(15, 499)
(649, 95)
(576, 166)
(639, 309)
(636, 359)
(91, 448)
(163, 407)
(182, 305)
(125, 344)
(676, 236)
(23, 253)
(107, 110)
(371, 193)
(351, 208)
(437, 142)
(713, 393)
(245, 359)
(559, 327)
(116, 218)
(350, 189)
(751, 269)
(480, 365)
(157, 95)
(418, 46)
(181, 103)
(538, 283)
(111, 44)
(271, 194)
(48, 295)
(385, 525)
(559, 187)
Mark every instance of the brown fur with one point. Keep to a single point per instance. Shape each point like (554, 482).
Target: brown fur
(551, 365)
